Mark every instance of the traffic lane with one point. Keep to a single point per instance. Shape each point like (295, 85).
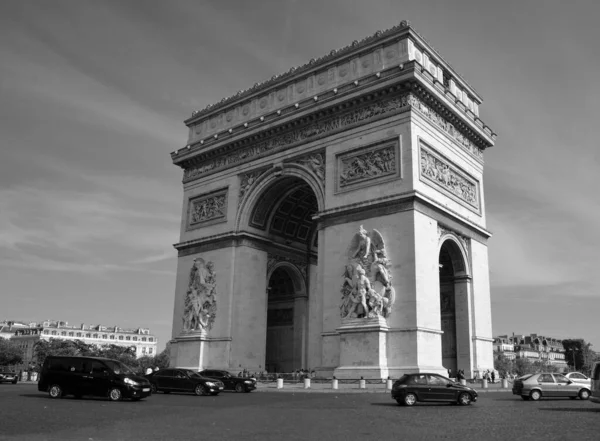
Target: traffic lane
(274, 416)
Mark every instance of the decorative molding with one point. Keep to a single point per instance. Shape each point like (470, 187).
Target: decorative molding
(463, 239)
(315, 162)
(207, 209)
(307, 132)
(273, 259)
(246, 182)
(440, 172)
(368, 165)
(448, 128)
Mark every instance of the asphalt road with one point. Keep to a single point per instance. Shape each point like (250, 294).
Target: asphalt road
(26, 414)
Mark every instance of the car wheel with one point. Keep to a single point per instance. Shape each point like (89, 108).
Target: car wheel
(525, 397)
(55, 391)
(201, 389)
(153, 388)
(535, 395)
(410, 399)
(584, 394)
(115, 394)
(464, 399)
(239, 387)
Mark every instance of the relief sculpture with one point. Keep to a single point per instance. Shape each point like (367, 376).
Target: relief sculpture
(200, 307)
(367, 289)
(374, 163)
(445, 176)
(205, 209)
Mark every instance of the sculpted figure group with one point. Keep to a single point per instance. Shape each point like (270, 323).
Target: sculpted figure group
(367, 289)
(200, 305)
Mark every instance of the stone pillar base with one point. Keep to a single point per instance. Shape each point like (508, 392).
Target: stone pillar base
(363, 348)
(188, 350)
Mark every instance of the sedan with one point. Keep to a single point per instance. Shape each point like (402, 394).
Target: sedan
(546, 384)
(238, 384)
(183, 380)
(9, 377)
(578, 377)
(412, 388)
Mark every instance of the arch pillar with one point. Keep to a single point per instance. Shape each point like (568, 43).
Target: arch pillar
(463, 291)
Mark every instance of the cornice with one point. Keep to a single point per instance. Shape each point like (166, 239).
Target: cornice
(379, 38)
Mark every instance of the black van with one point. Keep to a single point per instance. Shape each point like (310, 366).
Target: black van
(102, 377)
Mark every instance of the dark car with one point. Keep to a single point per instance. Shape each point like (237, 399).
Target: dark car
(9, 377)
(431, 387)
(238, 384)
(101, 377)
(183, 380)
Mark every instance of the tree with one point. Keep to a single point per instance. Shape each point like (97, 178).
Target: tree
(10, 353)
(124, 354)
(502, 363)
(54, 346)
(578, 354)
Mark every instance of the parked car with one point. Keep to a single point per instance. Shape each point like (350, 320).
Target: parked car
(595, 397)
(546, 384)
(238, 384)
(80, 376)
(9, 377)
(412, 388)
(578, 377)
(183, 380)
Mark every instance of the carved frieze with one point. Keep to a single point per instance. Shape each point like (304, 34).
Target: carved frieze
(207, 209)
(200, 305)
(367, 290)
(367, 166)
(273, 259)
(307, 132)
(444, 175)
(246, 182)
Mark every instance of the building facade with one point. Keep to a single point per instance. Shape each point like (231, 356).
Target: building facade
(144, 342)
(533, 347)
(334, 219)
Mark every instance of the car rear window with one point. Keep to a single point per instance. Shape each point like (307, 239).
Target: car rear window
(524, 377)
(402, 379)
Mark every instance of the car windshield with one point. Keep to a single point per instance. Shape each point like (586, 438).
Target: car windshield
(119, 368)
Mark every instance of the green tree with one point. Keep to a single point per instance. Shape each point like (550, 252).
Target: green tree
(124, 354)
(502, 363)
(10, 353)
(162, 360)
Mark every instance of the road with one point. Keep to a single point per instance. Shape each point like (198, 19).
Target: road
(28, 415)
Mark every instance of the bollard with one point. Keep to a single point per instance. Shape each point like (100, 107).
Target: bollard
(280, 383)
(388, 384)
(484, 384)
(307, 383)
(34, 376)
(504, 383)
(463, 382)
(362, 384)
(334, 383)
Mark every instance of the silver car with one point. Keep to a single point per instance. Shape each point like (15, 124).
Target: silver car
(546, 384)
(578, 377)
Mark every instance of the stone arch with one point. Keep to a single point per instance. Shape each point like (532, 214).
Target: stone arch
(271, 177)
(298, 279)
(458, 253)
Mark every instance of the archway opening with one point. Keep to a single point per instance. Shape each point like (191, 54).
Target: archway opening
(448, 307)
(284, 212)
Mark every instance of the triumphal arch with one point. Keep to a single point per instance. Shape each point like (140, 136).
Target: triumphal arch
(334, 220)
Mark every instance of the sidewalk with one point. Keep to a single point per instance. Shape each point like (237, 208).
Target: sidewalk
(354, 389)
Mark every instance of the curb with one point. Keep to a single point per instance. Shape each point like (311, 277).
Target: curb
(353, 391)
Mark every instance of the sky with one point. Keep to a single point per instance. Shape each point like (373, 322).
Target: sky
(93, 95)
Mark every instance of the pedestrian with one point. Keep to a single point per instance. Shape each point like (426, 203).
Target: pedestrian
(449, 373)
(493, 376)
(148, 370)
(156, 369)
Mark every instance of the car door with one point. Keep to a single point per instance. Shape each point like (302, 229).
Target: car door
(438, 388)
(100, 379)
(565, 387)
(547, 384)
(418, 385)
(181, 381)
(163, 379)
